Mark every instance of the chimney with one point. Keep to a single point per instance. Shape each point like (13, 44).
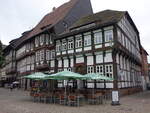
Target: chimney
(54, 8)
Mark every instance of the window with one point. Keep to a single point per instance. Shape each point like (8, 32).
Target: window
(108, 57)
(52, 63)
(37, 56)
(109, 70)
(41, 39)
(79, 59)
(47, 39)
(47, 55)
(66, 63)
(58, 45)
(32, 59)
(69, 69)
(27, 47)
(90, 60)
(50, 39)
(87, 40)
(59, 63)
(41, 55)
(99, 58)
(108, 35)
(97, 37)
(36, 41)
(119, 35)
(64, 45)
(90, 69)
(78, 41)
(100, 69)
(71, 62)
(32, 46)
(52, 54)
(70, 44)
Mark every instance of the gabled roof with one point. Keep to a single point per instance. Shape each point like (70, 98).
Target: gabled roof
(106, 16)
(52, 18)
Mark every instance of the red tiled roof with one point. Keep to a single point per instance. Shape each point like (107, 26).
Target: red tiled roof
(52, 18)
(48, 20)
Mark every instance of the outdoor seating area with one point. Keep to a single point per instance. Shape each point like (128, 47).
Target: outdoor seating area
(70, 99)
(68, 96)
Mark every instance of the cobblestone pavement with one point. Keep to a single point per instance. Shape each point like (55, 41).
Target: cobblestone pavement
(19, 102)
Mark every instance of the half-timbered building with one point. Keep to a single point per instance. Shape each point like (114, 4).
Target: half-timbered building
(35, 50)
(107, 43)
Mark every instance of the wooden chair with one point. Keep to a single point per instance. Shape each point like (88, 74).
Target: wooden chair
(62, 99)
(72, 100)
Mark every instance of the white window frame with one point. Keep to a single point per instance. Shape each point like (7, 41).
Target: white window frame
(90, 69)
(108, 35)
(100, 69)
(70, 44)
(98, 37)
(79, 41)
(109, 70)
(87, 40)
(52, 54)
(42, 55)
(47, 55)
(64, 45)
(58, 46)
(42, 39)
(37, 41)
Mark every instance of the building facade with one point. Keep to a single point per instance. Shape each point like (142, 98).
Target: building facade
(35, 51)
(102, 45)
(106, 42)
(145, 77)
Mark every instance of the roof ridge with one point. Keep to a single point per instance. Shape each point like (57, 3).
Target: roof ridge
(96, 16)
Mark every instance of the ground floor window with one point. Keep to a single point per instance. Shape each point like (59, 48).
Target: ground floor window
(100, 69)
(109, 70)
(90, 69)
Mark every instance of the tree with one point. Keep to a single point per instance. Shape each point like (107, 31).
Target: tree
(1, 54)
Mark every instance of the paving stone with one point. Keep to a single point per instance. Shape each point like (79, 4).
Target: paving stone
(19, 101)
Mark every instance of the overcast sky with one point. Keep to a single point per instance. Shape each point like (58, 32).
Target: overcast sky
(17, 16)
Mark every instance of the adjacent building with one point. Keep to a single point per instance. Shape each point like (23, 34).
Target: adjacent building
(145, 76)
(35, 50)
(75, 39)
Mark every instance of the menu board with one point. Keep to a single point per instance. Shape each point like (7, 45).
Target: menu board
(115, 96)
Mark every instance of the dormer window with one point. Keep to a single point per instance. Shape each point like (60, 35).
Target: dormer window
(65, 24)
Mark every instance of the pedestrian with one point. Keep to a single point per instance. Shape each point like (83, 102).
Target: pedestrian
(11, 87)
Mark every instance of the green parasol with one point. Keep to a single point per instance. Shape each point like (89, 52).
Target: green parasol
(66, 75)
(96, 76)
(37, 76)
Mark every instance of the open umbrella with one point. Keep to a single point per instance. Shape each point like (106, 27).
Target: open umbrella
(66, 75)
(37, 76)
(96, 76)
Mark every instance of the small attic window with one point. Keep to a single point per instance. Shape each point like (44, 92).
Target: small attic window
(65, 24)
